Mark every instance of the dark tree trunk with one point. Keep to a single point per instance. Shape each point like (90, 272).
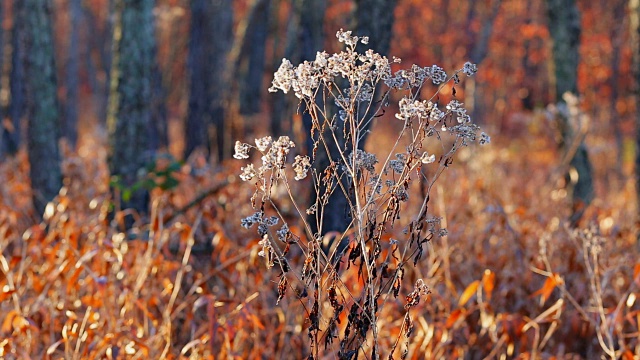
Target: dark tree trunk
(12, 135)
(199, 116)
(309, 16)
(70, 119)
(374, 18)
(564, 27)
(279, 123)
(130, 102)
(252, 59)
(159, 127)
(42, 103)
(211, 35)
(478, 49)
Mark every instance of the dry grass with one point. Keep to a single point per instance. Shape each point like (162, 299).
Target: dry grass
(510, 279)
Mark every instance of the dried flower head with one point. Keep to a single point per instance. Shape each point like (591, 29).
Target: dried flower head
(248, 172)
(263, 143)
(469, 69)
(427, 159)
(301, 166)
(241, 150)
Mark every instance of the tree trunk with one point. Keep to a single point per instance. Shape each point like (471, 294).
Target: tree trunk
(374, 19)
(200, 55)
(159, 127)
(564, 27)
(70, 119)
(42, 103)
(11, 136)
(634, 16)
(211, 34)
(310, 39)
(477, 50)
(251, 69)
(130, 101)
(280, 124)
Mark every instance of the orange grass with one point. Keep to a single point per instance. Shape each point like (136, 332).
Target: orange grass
(510, 279)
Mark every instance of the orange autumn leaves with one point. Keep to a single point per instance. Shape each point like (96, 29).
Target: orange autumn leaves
(487, 283)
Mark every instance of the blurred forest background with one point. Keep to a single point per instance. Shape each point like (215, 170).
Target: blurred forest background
(141, 101)
(185, 76)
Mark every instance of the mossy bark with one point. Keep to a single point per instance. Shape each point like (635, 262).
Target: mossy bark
(130, 99)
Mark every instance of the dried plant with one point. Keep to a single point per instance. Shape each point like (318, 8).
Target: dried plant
(344, 93)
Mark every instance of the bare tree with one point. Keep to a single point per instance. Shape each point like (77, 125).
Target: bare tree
(564, 26)
(209, 46)
(42, 103)
(130, 98)
(374, 18)
(478, 47)
(251, 61)
(159, 125)
(70, 118)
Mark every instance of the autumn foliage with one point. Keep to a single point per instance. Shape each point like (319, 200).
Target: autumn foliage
(510, 277)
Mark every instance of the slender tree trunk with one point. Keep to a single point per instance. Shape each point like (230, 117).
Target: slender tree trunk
(251, 69)
(199, 115)
(241, 58)
(478, 50)
(374, 18)
(159, 127)
(130, 102)
(42, 103)
(564, 27)
(211, 35)
(70, 119)
(279, 122)
(222, 37)
(12, 135)
(309, 15)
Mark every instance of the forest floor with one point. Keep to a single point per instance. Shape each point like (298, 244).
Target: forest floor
(510, 279)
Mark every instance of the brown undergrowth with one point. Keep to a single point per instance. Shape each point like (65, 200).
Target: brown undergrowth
(510, 279)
